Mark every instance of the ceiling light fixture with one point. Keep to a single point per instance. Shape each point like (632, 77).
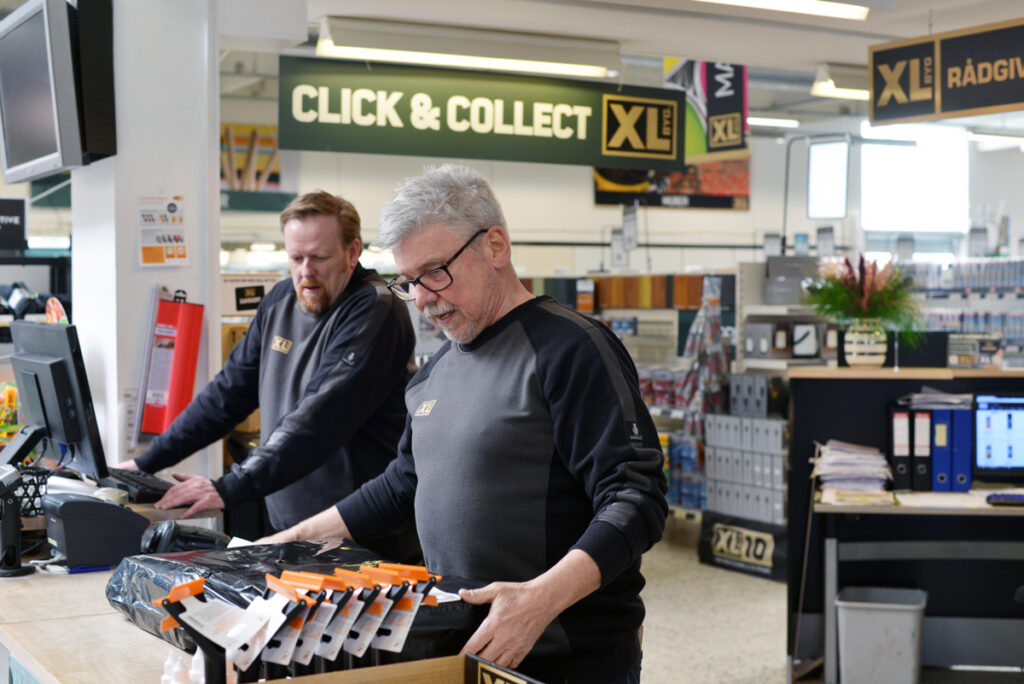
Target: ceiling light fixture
(772, 122)
(427, 44)
(841, 81)
(821, 8)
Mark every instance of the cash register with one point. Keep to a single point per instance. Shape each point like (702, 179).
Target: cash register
(57, 407)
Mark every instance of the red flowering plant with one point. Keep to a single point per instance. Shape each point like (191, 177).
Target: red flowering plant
(847, 294)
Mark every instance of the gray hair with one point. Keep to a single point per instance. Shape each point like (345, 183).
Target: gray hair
(455, 196)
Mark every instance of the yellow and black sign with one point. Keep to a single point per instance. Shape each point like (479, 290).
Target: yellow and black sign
(743, 544)
(725, 130)
(959, 73)
(639, 127)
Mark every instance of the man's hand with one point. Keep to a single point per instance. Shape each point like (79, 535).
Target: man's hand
(278, 537)
(127, 465)
(326, 524)
(519, 613)
(194, 491)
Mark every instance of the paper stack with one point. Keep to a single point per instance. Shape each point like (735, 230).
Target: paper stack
(843, 469)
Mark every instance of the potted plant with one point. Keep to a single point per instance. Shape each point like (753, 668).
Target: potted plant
(869, 300)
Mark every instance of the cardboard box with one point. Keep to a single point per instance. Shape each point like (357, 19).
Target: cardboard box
(458, 669)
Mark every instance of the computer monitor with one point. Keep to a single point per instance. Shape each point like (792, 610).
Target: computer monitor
(56, 87)
(54, 394)
(999, 438)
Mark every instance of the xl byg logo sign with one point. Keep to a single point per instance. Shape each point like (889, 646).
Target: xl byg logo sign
(639, 127)
(958, 73)
(903, 82)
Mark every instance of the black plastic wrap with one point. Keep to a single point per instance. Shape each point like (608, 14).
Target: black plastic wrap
(238, 576)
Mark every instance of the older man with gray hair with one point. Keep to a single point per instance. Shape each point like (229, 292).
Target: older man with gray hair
(529, 459)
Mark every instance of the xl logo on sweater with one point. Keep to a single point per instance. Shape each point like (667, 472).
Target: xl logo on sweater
(281, 344)
(426, 407)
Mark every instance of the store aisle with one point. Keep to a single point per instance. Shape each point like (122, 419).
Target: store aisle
(706, 625)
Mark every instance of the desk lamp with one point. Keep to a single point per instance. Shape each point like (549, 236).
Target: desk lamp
(10, 524)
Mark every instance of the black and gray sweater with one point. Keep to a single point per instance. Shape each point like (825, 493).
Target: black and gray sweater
(528, 442)
(330, 392)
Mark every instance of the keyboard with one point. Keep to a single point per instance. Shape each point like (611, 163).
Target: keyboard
(1005, 499)
(141, 486)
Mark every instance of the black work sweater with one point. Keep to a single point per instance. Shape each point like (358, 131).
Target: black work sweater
(530, 441)
(330, 392)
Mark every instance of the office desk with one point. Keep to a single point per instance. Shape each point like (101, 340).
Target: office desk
(945, 640)
(852, 405)
(62, 629)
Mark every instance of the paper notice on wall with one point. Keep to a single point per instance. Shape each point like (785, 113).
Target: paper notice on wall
(161, 224)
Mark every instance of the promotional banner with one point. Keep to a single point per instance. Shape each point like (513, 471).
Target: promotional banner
(339, 106)
(716, 173)
(958, 73)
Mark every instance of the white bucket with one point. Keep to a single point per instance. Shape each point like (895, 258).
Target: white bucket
(880, 634)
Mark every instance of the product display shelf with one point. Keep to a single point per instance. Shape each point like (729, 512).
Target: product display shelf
(752, 309)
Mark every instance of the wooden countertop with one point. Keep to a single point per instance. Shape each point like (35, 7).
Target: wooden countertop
(62, 629)
(899, 509)
(826, 373)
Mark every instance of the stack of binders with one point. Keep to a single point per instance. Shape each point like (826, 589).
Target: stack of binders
(931, 438)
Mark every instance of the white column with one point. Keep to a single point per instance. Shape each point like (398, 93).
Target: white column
(166, 89)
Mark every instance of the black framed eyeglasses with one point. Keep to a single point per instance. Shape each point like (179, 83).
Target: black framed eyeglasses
(435, 280)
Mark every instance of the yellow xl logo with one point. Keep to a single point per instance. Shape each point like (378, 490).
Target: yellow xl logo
(920, 72)
(726, 130)
(490, 675)
(426, 407)
(639, 127)
(282, 345)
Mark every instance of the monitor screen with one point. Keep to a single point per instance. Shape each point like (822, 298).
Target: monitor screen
(54, 392)
(38, 97)
(999, 437)
(26, 89)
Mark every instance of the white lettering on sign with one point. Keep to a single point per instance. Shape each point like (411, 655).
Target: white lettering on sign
(544, 120)
(724, 79)
(481, 115)
(10, 220)
(362, 106)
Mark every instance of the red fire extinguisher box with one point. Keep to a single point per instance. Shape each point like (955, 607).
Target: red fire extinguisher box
(172, 365)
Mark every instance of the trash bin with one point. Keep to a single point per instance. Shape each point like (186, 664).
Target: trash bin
(879, 634)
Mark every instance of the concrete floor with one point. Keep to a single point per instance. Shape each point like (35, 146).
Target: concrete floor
(706, 625)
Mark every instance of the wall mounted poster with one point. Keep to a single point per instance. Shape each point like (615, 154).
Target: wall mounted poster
(716, 172)
(162, 233)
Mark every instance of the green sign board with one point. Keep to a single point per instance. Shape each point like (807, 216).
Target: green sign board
(338, 106)
(959, 73)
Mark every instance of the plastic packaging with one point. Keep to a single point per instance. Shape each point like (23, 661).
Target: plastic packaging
(237, 576)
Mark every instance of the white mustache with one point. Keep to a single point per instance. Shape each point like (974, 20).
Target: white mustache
(437, 310)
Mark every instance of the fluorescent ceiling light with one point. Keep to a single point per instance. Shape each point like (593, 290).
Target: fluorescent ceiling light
(262, 247)
(841, 81)
(426, 44)
(821, 8)
(772, 122)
